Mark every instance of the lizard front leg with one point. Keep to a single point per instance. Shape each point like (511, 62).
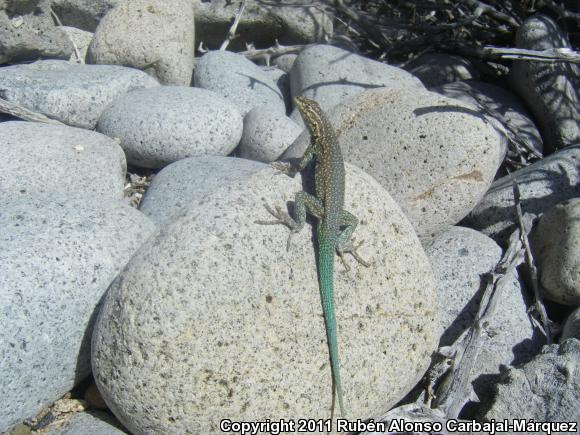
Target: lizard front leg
(345, 244)
(303, 203)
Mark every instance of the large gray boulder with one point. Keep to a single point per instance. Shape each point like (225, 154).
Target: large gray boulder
(156, 36)
(72, 93)
(161, 125)
(58, 256)
(216, 299)
(41, 158)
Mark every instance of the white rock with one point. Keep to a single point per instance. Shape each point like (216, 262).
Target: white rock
(89, 423)
(498, 104)
(435, 155)
(267, 134)
(239, 80)
(543, 184)
(330, 74)
(436, 69)
(187, 181)
(162, 125)
(58, 256)
(156, 36)
(571, 327)
(81, 40)
(41, 158)
(216, 299)
(73, 93)
(555, 243)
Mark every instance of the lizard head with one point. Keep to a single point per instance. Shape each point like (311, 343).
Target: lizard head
(312, 115)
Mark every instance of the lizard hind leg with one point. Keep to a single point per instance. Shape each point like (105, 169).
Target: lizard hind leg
(345, 243)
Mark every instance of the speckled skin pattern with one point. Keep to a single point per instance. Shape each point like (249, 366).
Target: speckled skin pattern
(327, 206)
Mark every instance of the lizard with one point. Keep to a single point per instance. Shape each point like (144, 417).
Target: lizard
(328, 207)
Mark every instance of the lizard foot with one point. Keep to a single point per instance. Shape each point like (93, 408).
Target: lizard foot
(350, 248)
(282, 217)
(284, 168)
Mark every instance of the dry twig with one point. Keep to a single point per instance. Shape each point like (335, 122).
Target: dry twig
(24, 113)
(232, 33)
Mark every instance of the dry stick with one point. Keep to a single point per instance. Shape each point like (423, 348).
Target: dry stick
(483, 8)
(538, 304)
(454, 392)
(75, 48)
(551, 55)
(24, 113)
(267, 53)
(232, 33)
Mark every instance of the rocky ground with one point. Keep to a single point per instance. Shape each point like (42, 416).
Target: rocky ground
(148, 300)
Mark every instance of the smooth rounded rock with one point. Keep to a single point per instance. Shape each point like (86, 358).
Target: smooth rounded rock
(571, 328)
(58, 256)
(330, 74)
(436, 69)
(545, 389)
(187, 181)
(41, 158)
(239, 80)
(285, 62)
(461, 257)
(498, 104)
(543, 184)
(551, 89)
(81, 40)
(75, 94)
(162, 125)
(267, 134)
(555, 244)
(89, 423)
(156, 36)
(217, 299)
(435, 155)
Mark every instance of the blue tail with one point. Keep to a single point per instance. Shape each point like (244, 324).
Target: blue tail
(326, 266)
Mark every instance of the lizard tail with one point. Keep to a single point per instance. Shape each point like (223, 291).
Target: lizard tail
(326, 265)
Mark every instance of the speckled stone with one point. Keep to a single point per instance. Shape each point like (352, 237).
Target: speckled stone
(267, 134)
(75, 94)
(162, 125)
(555, 244)
(217, 300)
(89, 423)
(238, 80)
(498, 104)
(436, 69)
(435, 155)
(571, 327)
(330, 74)
(543, 184)
(58, 256)
(187, 181)
(41, 158)
(156, 36)
(545, 389)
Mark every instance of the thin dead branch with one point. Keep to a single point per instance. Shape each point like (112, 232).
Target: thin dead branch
(524, 231)
(232, 33)
(23, 113)
(78, 57)
(552, 55)
(268, 53)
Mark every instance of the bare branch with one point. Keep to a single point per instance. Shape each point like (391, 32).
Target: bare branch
(232, 33)
(563, 54)
(267, 53)
(559, 9)
(538, 304)
(24, 113)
